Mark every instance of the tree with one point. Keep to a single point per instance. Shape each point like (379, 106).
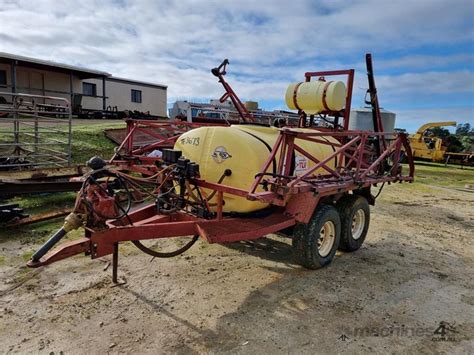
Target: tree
(468, 143)
(454, 145)
(464, 129)
(438, 132)
(461, 141)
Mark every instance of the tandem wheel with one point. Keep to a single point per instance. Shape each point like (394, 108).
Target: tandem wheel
(342, 227)
(354, 212)
(316, 243)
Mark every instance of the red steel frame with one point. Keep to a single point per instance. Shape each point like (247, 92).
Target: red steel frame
(143, 164)
(178, 127)
(294, 197)
(345, 113)
(149, 128)
(219, 72)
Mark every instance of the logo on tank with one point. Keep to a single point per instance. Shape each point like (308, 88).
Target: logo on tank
(301, 164)
(220, 154)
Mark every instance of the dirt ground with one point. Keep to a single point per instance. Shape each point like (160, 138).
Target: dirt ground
(408, 289)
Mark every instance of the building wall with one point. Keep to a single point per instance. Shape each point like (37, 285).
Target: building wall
(41, 82)
(119, 94)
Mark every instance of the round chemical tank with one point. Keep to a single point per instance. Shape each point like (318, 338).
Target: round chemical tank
(243, 149)
(361, 120)
(316, 96)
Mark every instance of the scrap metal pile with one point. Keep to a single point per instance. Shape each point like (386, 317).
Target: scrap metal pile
(230, 183)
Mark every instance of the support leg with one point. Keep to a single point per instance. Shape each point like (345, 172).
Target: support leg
(115, 264)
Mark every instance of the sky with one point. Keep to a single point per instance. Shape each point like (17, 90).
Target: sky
(423, 50)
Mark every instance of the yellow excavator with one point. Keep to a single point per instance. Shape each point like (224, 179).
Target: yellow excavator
(428, 147)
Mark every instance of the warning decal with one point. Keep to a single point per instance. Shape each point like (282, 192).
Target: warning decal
(301, 164)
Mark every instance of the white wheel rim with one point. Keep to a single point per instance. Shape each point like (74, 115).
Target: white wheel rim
(358, 222)
(327, 236)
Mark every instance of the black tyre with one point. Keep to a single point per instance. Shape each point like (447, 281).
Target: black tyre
(354, 212)
(316, 243)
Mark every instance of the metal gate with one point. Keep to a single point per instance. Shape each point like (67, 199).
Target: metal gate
(35, 131)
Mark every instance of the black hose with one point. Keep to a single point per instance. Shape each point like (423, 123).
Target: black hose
(49, 244)
(380, 191)
(171, 254)
(124, 213)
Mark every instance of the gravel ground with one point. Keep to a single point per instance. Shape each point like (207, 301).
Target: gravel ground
(408, 289)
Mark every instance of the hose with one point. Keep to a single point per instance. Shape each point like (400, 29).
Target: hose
(171, 254)
(71, 222)
(56, 237)
(380, 191)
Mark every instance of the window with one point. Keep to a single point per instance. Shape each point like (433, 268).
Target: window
(3, 77)
(89, 89)
(136, 96)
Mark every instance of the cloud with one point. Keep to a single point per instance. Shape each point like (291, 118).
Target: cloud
(422, 49)
(422, 62)
(428, 83)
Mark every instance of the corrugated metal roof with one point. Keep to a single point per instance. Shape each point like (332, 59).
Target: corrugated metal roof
(51, 64)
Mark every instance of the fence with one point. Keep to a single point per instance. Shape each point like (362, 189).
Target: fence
(35, 131)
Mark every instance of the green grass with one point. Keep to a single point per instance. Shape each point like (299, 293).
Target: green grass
(45, 202)
(32, 233)
(439, 175)
(89, 140)
(27, 255)
(33, 205)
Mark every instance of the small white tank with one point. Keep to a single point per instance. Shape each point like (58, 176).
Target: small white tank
(316, 96)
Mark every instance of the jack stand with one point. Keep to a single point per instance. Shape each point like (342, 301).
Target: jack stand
(115, 264)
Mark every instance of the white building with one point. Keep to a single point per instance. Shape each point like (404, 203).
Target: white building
(85, 88)
(216, 111)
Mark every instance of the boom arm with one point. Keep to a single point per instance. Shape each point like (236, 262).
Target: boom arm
(219, 72)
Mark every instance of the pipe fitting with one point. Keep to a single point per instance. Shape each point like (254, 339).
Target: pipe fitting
(71, 222)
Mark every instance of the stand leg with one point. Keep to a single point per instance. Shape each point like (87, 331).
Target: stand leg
(115, 264)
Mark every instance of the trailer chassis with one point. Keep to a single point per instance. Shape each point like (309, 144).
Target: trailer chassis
(294, 197)
(364, 159)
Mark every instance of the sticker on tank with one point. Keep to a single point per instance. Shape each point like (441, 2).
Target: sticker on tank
(220, 154)
(301, 164)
